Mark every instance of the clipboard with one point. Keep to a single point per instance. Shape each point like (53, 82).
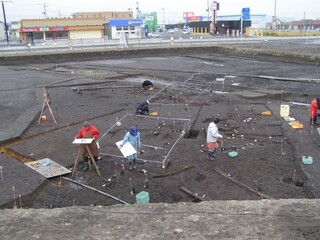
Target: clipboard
(82, 141)
(127, 149)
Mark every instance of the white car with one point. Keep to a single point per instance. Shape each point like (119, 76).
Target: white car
(185, 32)
(153, 35)
(170, 31)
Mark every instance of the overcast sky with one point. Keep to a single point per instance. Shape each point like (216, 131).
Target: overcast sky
(169, 10)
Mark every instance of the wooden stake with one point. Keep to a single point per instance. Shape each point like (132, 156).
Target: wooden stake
(96, 190)
(241, 184)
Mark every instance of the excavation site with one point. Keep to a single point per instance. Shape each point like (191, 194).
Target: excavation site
(269, 150)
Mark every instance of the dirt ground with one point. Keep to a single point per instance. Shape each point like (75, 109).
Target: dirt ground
(188, 94)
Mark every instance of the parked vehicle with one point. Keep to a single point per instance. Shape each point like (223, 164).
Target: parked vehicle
(153, 35)
(170, 31)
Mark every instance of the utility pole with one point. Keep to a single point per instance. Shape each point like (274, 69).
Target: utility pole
(44, 10)
(138, 11)
(5, 21)
(208, 9)
(274, 22)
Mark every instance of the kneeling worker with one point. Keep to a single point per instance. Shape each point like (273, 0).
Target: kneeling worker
(147, 85)
(143, 108)
(89, 131)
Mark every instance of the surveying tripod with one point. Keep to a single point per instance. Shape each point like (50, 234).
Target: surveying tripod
(46, 103)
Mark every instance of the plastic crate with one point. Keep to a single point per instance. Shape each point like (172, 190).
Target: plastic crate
(142, 197)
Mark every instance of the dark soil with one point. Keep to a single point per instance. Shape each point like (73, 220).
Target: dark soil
(187, 96)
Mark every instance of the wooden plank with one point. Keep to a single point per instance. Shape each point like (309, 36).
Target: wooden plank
(184, 189)
(172, 173)
(48, 168)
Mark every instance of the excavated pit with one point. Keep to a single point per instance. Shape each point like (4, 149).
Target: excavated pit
(268, 148)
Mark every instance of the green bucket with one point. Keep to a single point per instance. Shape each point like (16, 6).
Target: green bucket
(142, 197)
(307, 160)
(233, 154)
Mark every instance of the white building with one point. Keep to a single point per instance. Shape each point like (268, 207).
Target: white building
(130, 28)
(14, 30)
(2, 31)
(257, 20)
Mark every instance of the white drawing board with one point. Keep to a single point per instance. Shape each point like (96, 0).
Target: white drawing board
(82, 141)
(127, 149)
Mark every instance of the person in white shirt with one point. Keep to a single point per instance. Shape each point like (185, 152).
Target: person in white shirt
(212, 137)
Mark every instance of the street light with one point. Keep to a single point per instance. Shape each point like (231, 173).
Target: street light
(164, 21)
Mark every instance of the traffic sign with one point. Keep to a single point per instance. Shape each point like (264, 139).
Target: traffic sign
(246, 13)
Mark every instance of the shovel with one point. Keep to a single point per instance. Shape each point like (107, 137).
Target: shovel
(222, 145)
(132, 189)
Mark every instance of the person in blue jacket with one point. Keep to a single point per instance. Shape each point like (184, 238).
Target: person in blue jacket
(132, 136)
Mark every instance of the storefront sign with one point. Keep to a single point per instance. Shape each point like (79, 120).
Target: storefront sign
(30, 29)
(125, 22)
(188, 14)
(58, 29)
(44, 29)
(194, 18)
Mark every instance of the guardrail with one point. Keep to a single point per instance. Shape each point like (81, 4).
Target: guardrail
(69, 46)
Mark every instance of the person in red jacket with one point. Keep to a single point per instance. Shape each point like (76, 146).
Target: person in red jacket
(314, 107)
(89, 131)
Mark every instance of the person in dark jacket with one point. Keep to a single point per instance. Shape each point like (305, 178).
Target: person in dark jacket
(147, 85)
(143, 108)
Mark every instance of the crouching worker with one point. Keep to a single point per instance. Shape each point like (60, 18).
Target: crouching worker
(89, 131)
(147, 85)
(143, 108)
(132, 136)
(212, 137)
(314, 107)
